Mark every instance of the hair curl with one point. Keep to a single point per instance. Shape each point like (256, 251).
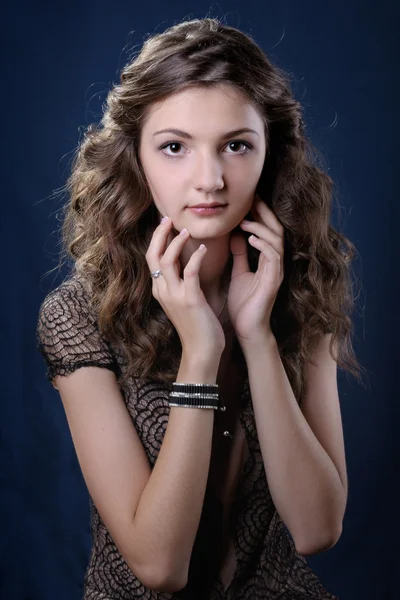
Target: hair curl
(110, 215)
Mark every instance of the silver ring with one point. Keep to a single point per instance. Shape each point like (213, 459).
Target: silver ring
(156, 274)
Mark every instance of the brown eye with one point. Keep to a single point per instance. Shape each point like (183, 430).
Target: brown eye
(173, 145)
(170, 144)
(247, 146)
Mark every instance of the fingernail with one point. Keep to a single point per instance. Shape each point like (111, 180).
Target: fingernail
(164, 219)
(183, 231)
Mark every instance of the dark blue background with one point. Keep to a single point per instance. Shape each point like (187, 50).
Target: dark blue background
(58, 62)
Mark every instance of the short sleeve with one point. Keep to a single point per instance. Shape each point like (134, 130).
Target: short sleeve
(67, 334)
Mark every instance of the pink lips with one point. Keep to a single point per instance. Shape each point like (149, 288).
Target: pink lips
(204, 210)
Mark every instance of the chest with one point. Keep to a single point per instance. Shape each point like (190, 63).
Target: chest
(229, 447)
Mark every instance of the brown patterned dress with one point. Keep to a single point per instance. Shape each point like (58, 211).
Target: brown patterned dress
(243, 553)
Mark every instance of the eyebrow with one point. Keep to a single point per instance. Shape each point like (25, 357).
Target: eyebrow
(186, 135)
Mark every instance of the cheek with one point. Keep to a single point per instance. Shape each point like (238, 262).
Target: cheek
(164, 205)
(156, 191)
(168, 193)
(163, 184)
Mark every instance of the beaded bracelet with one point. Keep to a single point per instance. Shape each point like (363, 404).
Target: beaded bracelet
(195, 395)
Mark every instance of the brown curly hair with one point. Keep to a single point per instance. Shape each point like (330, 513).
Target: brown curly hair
(110, 215)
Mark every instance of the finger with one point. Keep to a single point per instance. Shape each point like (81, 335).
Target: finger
(157, 244)
(265, 233)
(238, 248)
(273, 257)
(169, 261)
(261, 211)
(191, 273)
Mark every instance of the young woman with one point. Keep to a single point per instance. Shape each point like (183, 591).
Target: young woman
(196, 356)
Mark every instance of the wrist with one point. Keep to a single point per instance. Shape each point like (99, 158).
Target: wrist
(198, 367)
(262, 340)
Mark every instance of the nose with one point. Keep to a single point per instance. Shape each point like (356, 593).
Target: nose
(208, 174)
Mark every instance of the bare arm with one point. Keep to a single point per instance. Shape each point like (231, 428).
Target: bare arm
(152, 515)
(169, 510)
(305, 468)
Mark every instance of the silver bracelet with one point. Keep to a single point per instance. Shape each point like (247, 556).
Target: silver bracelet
(195, 395)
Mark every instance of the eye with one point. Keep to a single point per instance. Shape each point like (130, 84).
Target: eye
(247, 146)
(167, 145)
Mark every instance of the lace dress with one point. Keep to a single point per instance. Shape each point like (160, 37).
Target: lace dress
(267, 564)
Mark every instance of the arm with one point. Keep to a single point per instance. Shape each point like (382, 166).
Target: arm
(308, 489)
(169, 511)
(152, 515)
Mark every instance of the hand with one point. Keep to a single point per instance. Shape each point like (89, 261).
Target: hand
(251, 296)
(182, 299)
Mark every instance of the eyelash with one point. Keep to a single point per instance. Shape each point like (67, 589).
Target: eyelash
(248, 148)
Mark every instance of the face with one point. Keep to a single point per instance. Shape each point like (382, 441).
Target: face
(204, 162)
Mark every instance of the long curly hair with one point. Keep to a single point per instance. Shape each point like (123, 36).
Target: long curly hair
(110, 215)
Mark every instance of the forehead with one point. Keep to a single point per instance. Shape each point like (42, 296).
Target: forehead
(222, 102)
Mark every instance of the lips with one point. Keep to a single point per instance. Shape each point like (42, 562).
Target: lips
(206, 205)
